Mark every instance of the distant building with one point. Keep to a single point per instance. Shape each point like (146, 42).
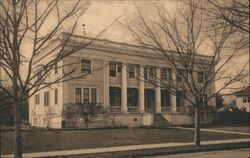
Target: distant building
(116, 78)
(243, 99)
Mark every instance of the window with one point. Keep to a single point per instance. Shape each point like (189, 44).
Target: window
(164, 74)
(46, 98)
(78, 95)
(85, 66)
(38, 74)
(131, 71)
(205, 100)
(56, 96)
(119, 67)
(45, 122)
(112, 69)
(35, 121)
(200, 77)
(149, 95)
(165, 98)
(151, 73)
(132, 97)
(115, 96)
(85, 95)
(245, 99)
(93, 95)
(179, 99)
(145, 73)
(56, 68)
(37, 99)
(179, 75)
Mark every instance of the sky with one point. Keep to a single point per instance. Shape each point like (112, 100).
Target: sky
(101, 13)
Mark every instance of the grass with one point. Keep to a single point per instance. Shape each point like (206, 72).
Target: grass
(50, 140)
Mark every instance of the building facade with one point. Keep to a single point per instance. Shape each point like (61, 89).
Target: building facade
(243, 99)
(121, 77)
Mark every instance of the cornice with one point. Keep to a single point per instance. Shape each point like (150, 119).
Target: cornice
(109, 46)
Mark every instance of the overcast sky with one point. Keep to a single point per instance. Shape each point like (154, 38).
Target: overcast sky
(101, 14)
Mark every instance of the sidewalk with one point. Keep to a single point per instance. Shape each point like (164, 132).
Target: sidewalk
(125, 148)
(213, 130)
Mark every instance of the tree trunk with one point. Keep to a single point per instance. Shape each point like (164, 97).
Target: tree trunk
(17, 119)
(18, 132)
(197, 127)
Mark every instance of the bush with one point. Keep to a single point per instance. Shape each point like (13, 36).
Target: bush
(87, 111)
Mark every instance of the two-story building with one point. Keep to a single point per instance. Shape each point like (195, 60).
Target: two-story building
(243, 99)
(121, 77)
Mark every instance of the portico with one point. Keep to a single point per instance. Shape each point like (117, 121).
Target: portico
(145, 91)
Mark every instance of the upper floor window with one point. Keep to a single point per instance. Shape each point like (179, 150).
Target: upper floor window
(38, 74)
(200, 77)
(37, 99)
(165, 74)
(131, 71)
(179, 75)
(145, 73)
(85, 66)
(46, 98)
(56, 96)
(151, 73)
(56, 67)
(112, 69)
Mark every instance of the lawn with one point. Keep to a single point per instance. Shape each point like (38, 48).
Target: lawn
(49, 140)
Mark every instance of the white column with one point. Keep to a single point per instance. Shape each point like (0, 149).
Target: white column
(141, 89)
(158, 90)
(173, 96)
(124, 107)
(106, 85)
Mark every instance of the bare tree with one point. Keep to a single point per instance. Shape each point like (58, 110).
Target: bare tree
(231, 13)
(236, 14)
(180, 40)
(37, 23)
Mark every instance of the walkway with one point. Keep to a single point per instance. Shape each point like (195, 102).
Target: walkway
(213, 130)
(123, 148)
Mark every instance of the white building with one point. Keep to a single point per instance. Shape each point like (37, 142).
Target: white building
(118, 72)
(243, 99)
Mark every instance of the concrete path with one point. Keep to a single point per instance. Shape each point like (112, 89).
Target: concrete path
(213, 130)
(238, 153)
(123, 148)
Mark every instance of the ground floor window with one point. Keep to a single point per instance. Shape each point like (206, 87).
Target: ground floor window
(132, 97)
(35, 121)
(179, 99)
(149, 97)
(115, 96)
(165, 98)
(78, 95)
(85, 95)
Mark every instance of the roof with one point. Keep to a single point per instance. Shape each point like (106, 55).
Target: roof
(244, 92)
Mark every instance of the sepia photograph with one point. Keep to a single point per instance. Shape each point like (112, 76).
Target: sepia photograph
(124, 79)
